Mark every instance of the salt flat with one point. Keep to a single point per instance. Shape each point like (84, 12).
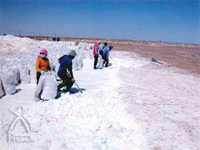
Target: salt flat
(133, 104)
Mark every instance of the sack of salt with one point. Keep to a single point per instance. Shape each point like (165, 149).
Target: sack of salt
(47, 87)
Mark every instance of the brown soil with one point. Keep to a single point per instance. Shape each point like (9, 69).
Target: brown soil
(181, 57)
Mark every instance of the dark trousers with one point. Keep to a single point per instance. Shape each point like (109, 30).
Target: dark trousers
(105, 62)
(66, 82)
(38, 74)
(95, 61)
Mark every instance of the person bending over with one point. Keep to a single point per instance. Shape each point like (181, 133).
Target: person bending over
(106, 53)
(65, 70)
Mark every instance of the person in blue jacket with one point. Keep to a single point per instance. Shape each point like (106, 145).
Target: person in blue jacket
(106, 53)
(65, 70)
(101, 48)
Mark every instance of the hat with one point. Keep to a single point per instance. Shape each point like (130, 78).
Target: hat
(72, 53)
(44, 51)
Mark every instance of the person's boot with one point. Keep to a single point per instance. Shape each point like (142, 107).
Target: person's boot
(60, 86)
(65, 90)
(59, 89)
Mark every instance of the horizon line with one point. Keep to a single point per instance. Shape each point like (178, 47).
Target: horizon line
(93, 38)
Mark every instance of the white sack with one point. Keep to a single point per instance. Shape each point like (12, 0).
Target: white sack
(33, 74)
(25, 74)
(100, 62)
(80, 61)
(57, 65)
(75, 64)
(88, 54)
(9, 83)
(16, 73)
(91, 54)
(53, 67)
(2, 90)
(47, 87)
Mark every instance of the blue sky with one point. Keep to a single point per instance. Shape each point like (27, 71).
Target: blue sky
(154, 20)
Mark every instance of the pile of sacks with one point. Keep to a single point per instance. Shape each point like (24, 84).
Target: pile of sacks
(20, 68)
(12, 77)
(85, 45)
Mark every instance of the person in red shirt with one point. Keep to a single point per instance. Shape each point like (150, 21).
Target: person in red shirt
(95, 53)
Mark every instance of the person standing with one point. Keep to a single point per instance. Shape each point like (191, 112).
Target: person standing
(95, 53)
(42, 63)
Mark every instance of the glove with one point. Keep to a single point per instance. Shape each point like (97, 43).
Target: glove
(73, 80)
(42, 72)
